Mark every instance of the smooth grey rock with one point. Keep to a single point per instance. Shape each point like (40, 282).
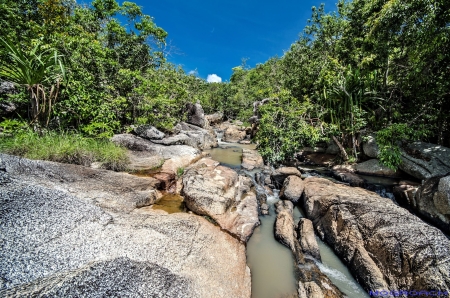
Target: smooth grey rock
(432, 200)
(196, 115)
(149, 132)
(135, 143)
(425, 160)
(384, 245)
(307, 238)
(374, 168)
(58, 243)
(292, 189)
(370, 147)
(192, 135)
(218, 192)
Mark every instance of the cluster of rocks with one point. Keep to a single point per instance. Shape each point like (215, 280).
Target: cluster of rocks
(301, 241)
(384, 245)
(68, 230)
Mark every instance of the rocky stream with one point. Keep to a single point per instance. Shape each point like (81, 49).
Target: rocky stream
(200, 215)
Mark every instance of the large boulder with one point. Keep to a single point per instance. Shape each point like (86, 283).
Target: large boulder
(385, 246)
(311, 281)
(191, 135)
(61, 240)
(135, 143)
(284, 224)
(425, 160)
(149, 132)
(220, 193)
(370, 147)
(292, 189)
(140, 161)
(251, 159)
(196, 115)
(279, 175)
(373, 167)
(432, 201)
(233, 134)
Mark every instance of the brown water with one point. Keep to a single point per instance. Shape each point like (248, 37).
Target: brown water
(271, 263)
(171, 203)
(229, 154)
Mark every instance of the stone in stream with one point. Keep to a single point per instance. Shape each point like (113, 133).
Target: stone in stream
(251, 159)
(385, 246)
(71, 231)
(307, 238)
(280, 174)
(348, 177)
(292, 189)
(233, 134)
(220, 193)
(311, 281)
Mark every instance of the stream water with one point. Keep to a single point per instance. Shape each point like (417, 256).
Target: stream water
(271, 263)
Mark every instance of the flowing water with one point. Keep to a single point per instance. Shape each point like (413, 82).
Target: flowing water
(271, 263)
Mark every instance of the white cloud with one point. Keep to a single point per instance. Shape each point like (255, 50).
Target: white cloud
(213, 78)
(193, 72)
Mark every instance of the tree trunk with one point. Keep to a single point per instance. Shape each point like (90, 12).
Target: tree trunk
(341, 148)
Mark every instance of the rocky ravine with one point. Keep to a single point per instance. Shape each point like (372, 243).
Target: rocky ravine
(385, 246)
(66, 230)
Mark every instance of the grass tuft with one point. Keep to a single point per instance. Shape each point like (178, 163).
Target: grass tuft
(66, 148)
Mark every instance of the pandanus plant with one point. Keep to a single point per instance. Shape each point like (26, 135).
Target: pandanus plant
(40, 72)
(349, 98)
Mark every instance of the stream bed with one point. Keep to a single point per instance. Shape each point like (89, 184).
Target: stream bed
(272, 264)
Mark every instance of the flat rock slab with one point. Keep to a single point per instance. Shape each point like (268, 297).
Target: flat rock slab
(385, 246)
(135, 143)
(374, 168)
(58, 244)
(108, 189)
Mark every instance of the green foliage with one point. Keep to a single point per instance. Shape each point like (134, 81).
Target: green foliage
(35, 70)
(390, 139)
(285, 128)
(180, 172)
(13, 125)
(65, 147)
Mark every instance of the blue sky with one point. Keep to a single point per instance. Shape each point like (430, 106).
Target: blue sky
(213, 36)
